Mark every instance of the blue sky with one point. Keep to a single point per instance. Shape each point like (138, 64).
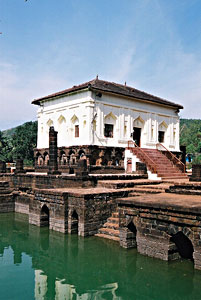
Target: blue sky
(50, 45)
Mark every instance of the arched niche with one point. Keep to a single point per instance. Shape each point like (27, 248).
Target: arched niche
(50, 123)
(138, 122)
(162, 128)
(44, 216)
(61, 120)
(75, 126)
(74, 120)
(109, 125)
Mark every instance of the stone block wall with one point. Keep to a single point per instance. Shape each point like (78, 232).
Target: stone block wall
(155, 228)
(92, 210)
(196, 173)
(56, 203)
(32, 181)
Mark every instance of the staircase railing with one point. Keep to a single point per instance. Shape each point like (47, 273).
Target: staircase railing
(173, 158)
(149, 161)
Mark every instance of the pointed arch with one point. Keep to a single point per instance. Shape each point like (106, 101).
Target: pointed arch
(110, 117)
(109, 125)
(163, 126)
(50, 123)
(138, 122)
(61, 119)
(74, 119)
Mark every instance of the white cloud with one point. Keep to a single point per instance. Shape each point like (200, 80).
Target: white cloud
(17, 92)
(150, 56)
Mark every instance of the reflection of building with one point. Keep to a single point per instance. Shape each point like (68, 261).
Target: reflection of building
(40, 285)
(99, 118)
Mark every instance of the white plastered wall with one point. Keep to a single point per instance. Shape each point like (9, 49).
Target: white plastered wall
(91, 112)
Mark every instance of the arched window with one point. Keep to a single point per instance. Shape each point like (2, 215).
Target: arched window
(161, 132)
(109, 125)
(75, 123)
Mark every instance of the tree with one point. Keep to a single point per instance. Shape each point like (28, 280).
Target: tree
(5, 148)
(24, 141)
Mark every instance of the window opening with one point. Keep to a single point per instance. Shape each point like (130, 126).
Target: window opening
(108, 132)
(76, 130)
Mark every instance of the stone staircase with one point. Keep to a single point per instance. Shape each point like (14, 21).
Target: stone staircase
(185, 189)
(158, 163)
(126, 183)
(110, 229)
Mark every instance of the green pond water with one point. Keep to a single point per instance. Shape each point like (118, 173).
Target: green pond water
(36, 263)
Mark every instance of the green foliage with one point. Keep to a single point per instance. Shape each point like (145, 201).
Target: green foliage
(24, 141)
(197, 160)
(190, 135)
(19, 142)
(5, 148)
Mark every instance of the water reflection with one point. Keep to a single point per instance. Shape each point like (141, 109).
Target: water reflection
(43, 264)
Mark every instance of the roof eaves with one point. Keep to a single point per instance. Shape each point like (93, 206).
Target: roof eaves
(59, 94)
(163, 101)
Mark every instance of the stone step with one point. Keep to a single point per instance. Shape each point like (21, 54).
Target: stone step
(115, 184)
(175, 177)
(4, 184)
(5, 192)
(145, 191)
(115, 214)
(184, 191)
(113, 220)
(111, 225)
(109, 231)
(164, 167)
(106, 236)
(161, 186)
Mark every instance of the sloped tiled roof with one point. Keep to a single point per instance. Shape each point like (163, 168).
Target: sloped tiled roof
(111, 88)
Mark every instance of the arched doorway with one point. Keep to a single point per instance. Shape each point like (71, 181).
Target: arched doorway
(183, 244)
(44, 216)
(131, 235)
(138, 125)
(74, 222)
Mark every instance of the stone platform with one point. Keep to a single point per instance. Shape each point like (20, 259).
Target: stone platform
(156, 220)
(130, 209)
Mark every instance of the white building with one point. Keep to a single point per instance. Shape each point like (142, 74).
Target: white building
(100, 117)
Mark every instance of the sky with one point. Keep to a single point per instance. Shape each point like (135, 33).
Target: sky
(50, 45)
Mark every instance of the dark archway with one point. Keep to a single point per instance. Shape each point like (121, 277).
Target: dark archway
(74, 222)
(81, 153)
(132, 227)
(44, 216)
(184, 245)
(131, 235)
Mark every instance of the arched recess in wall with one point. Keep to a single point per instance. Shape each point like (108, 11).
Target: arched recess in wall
(61, 130)
(46, 159)
(138, 126)
(63, 160)
(162, 129)
(109, 125)
(75, 126)
(39, 159)
(49, 124)
(74, 222)
(44, 215)
(183, 244)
